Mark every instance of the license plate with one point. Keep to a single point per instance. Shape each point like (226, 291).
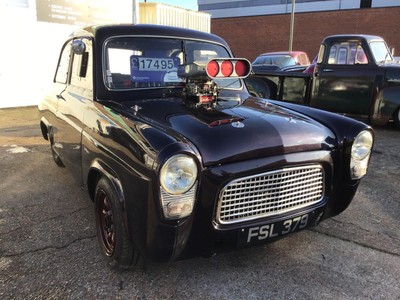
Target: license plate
(262, 233)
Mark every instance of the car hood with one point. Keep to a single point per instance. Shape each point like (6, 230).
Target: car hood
(253, 129)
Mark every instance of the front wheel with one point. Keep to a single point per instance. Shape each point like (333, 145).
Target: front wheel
(112, 234)
(56, 157)
(396, 117)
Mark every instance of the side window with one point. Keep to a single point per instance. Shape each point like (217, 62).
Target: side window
(343, 53)
(342, 56)
(361, 57)
(258, 61)
(321, 54)
(302, 59)
(82, 66)
(63, 64)
(332, 55)
(352, 56)
(267, 61)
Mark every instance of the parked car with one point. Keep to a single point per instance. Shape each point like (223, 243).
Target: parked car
(355, 75)
(311, 67)
(179, 159)
(281, 61)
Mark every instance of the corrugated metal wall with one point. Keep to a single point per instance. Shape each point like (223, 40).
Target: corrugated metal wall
(161, 14)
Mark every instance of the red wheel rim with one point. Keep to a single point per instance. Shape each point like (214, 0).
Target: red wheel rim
(106, 224)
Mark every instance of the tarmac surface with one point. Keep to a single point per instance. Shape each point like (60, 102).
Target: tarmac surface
(48, 248)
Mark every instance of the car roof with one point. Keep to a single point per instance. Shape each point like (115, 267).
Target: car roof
(347, 37)
(291, 53)
(146, 30)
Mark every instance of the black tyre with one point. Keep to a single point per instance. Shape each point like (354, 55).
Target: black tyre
(396, 118)
(56, 158)
(112, 234)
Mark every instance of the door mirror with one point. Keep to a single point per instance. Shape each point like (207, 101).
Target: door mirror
(78, 47)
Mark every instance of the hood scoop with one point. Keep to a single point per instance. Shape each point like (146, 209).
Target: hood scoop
(214, 118)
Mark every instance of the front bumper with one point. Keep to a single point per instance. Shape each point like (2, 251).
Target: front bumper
(201, 234)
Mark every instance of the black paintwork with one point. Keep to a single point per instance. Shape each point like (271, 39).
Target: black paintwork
(127, 135)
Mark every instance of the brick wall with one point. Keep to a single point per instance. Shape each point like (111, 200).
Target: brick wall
(250, 36)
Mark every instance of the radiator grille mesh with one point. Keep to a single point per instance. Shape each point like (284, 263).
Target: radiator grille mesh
(270, 194)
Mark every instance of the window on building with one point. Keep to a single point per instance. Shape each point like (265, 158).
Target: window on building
(365, 3)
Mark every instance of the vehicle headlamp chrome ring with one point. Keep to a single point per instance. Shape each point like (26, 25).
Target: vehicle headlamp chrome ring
(360, 154)
(362, 145)
(178, 174)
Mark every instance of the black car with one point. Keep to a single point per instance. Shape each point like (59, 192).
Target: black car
(157, 124)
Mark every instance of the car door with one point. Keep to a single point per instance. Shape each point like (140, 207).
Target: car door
(343, 82)
(72, 103)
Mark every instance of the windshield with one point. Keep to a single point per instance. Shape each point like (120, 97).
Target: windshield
(149, 62)
(380, 51)
(278, 60)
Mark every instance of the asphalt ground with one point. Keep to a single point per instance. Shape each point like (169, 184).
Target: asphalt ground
(48, 248)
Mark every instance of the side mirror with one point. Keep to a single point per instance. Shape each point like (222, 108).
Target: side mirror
(78, 47)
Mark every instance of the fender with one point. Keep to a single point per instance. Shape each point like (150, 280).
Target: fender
(99, 167)
(345, 129)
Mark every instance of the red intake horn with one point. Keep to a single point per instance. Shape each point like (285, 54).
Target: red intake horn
(212, 68)
(220, 68)
(226, 68)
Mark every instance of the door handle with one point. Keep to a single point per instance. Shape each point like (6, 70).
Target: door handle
(327, 70)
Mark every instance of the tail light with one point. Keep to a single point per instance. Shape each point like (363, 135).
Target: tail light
(228, 68)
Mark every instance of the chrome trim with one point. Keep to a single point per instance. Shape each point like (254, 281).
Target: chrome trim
(269, 194)
(166, 198)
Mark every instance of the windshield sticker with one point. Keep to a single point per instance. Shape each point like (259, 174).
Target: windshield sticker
(154, 69)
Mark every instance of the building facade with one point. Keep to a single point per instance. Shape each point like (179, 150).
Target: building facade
(241, 8)
(34, 31)
(162, 14)
(257, 26)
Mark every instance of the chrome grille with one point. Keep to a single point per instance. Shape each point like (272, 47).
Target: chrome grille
(270, 194)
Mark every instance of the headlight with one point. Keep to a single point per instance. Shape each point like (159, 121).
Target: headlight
(178, 174)
(360, 153)
(178, 186)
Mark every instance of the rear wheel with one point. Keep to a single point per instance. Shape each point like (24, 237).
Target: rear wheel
(112, 234)
(396, 117)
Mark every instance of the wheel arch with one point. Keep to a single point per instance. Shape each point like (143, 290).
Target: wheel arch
(99, 169)
(396, 117)
(386, 105)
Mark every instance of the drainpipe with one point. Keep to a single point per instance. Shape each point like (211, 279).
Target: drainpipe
(291, 26)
